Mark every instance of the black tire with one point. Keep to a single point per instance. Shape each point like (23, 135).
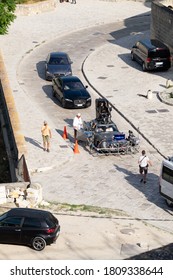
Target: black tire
(63, 102)
(38, 243)
(53, 92)
(132, 56)
(143, 67)
(169, 203)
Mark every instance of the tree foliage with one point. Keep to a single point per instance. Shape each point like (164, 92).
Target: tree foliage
(7, 8)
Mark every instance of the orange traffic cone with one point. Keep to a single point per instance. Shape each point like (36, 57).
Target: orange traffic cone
(65, 133)
(76, 149)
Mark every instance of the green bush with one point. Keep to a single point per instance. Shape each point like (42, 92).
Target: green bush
(7, 8)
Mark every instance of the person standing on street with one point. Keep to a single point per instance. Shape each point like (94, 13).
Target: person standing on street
(144, 163)
(77, 124)
(46, 134)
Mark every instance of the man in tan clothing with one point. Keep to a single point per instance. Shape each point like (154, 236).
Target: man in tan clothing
(46, 134)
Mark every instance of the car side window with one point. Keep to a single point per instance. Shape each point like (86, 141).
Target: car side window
(34, 223)
(11, 222)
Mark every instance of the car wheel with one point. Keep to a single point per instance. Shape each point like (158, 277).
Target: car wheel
(53, 92)
(38, 243)
(132, 56)
(169, 203)
(143, 67)
(63, 102)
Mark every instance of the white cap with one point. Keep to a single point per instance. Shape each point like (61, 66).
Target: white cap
(78, 114)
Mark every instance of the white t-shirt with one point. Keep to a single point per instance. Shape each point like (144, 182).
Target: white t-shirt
(77, 123)
(143, 161)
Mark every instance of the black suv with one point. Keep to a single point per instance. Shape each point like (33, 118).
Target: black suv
(151, 54)
(36, 228)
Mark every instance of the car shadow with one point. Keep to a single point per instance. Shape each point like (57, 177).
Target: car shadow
(33, 142)
(150, 190)
(41, 69)
(47, 89)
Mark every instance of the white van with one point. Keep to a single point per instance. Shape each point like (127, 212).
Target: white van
(166, 180)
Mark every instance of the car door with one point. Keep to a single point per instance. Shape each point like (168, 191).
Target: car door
(31, 228)
(58, 88)
(10, 229)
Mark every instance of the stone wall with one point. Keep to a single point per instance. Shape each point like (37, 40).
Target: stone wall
(21, 194)
(37, 8)
(162, 22)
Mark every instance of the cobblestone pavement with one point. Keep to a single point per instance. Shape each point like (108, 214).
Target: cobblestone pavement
(112, 182)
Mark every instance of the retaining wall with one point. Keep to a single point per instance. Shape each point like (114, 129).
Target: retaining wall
(36, 8)
(162, 22)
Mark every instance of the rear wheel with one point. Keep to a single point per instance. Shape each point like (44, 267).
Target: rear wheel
(53, 92)
(144, 67)
(132, 56)
(38, 243)
(63, 102)
(169, 203)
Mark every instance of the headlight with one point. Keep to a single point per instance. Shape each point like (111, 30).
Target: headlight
(69, 73)
(68, 100)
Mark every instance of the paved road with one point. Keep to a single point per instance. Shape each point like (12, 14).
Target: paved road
(82, 179)
(118, 183)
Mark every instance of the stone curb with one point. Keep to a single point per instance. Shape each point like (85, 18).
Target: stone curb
(161, 98)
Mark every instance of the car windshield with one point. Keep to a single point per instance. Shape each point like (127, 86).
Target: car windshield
(2, 217)
(104, 128)
(73, 85)
(58, 61)
(159, 53)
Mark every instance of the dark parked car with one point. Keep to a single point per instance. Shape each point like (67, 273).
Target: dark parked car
(36, 228)
(57, 64)
(151, 54)
(71, 92)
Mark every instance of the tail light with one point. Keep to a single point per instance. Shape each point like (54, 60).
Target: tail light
(50, 230)
(148, 59)
(170, 58)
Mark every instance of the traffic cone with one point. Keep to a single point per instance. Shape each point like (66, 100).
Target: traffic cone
(76, 149)
(65, 133)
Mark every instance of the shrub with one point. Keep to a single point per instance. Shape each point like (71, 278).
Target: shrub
(7, 8)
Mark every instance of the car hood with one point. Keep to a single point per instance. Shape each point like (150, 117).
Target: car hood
(55, 69)
(74, 94)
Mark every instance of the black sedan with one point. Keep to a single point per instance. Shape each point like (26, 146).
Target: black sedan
(36, 228)
(71, 92)
(57, 64)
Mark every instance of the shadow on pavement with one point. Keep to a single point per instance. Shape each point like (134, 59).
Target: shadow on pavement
(150, 190)
(33, 142)
(161, 253)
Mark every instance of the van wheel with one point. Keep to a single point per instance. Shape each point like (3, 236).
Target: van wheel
(38, 243)
(132, 56)
(169, 203)
(143, 67)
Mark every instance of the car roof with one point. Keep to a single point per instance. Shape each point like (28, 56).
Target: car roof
(153, 44)
(58, 54)
(70, 78)
(28, 212)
